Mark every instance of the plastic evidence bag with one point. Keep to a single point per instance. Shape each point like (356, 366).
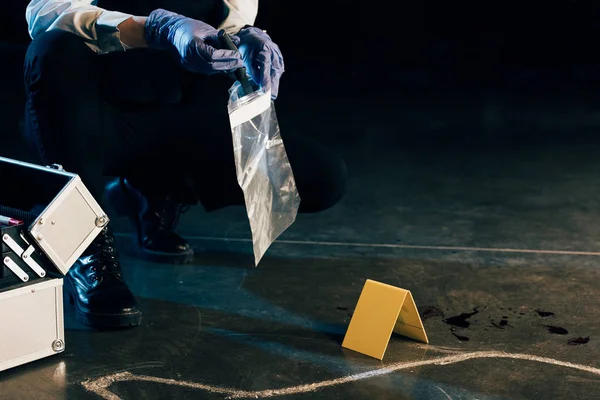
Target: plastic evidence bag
(263, 170)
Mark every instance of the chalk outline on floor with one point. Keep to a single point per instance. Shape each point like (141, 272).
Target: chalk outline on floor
(99, 386)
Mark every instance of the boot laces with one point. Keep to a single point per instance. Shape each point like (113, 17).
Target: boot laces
(104, 256)
(169, 213)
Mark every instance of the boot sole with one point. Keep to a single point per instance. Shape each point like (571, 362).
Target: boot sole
(100, 321)
(125, 207)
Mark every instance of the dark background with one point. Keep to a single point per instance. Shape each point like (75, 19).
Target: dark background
(439, 44)
(452, 63)
(374, 43)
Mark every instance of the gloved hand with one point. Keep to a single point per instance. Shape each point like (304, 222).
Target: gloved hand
(262, 58)
(195, 42)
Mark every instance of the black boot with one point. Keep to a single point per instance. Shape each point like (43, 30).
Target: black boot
(95, 287)
(154, 218)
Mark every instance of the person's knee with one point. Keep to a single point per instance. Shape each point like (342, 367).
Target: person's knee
(54, 54)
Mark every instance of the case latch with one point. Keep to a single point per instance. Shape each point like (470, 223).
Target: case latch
(57, 167)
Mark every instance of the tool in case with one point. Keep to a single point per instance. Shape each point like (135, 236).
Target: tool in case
(47, 220)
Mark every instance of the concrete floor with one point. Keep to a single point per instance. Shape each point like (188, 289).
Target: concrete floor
(488, 214)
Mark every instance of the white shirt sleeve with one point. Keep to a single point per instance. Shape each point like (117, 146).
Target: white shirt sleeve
(98, 27)
(241, 13)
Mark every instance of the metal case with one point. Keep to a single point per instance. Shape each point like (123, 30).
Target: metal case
(62, 220)
(32, 322)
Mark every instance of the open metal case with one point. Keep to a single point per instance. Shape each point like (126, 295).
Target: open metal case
(60, 220)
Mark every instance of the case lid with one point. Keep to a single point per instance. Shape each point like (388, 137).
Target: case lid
(70, 218)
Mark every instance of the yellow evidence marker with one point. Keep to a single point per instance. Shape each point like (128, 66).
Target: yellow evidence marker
(381, 310)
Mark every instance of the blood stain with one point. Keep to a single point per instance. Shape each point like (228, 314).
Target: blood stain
(461, 320)
(544, 313)
(461, 338)
(578, 341)
(431, 311)
(495, 325)
(556, 330)
(501, 324)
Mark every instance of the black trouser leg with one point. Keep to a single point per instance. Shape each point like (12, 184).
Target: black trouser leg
(63, 109)
(65, 124)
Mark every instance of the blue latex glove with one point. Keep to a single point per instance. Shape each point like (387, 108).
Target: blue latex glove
(194, 42)
(262, 58)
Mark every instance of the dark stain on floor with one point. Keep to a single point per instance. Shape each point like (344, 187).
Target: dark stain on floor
(461, 338)
(495, 325)
(461, 320)
(544, 313)
(431, 311)
(556, 330)
(501, 324)
(578, 341)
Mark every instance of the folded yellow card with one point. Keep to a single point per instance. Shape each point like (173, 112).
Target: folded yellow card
(381, 310)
